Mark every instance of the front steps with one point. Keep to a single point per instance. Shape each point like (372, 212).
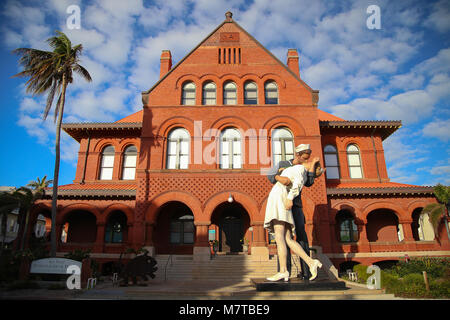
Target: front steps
(239, 268)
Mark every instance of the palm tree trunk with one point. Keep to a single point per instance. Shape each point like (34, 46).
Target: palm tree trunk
(25, 230)
(56, 173)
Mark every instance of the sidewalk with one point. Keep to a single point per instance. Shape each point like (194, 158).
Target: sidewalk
(194, 290)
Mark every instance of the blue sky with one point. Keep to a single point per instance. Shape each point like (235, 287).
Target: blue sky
(399, 72)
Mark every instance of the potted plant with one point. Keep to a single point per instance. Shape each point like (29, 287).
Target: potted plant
(245, 244)
(214, 245)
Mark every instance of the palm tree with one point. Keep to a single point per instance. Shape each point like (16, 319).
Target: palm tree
(439, 211)
(38, 192)
(51, 72)
(8, 202)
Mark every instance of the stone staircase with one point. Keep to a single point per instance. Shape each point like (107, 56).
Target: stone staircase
(239, 268)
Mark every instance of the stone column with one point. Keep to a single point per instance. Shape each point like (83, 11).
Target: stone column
(260, 251)
(202, 251)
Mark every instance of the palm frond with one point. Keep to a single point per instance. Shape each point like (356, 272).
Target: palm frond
(82, 72)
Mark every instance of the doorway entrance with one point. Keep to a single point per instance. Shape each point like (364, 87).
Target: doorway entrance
(233, 222)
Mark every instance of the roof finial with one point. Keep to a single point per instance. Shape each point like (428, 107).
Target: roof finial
(229, 16)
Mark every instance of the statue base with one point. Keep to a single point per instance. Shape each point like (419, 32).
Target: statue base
(296, 284)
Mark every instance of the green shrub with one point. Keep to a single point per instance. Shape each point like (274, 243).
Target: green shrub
(361, 270)
(440, 288)
(435, 267)
(390, 282)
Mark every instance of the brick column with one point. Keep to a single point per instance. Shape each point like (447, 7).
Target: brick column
(363, 243)
(149, 228)
(408, 237)
(100, 240)
(260, 251)
(202, 251)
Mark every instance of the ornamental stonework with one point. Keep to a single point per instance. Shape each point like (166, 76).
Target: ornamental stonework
(203, 188)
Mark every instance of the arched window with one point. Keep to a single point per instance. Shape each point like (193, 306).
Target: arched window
(229, 93)
(271, 92)
(209, 93)
(250, 93)
(115, 231)
(331, 162)
(178, 149)
(348, 231)
(354, 162)
(182, 229)
(107, 163)
(230, 149)
(129, 163)
(282, 145)
(188, 94)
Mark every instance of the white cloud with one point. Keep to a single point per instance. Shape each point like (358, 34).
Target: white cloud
(438, 129)
(439, 19)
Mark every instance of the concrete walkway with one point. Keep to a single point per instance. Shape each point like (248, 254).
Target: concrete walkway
(195, 290)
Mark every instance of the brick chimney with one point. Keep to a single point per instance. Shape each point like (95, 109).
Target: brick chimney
(292, 61)
(166, 63)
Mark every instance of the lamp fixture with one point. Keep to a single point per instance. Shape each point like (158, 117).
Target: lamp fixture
(230, 198)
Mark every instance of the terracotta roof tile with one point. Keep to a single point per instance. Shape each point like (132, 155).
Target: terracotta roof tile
(102, 190)
(370, 185)
(325, 116)
(135, 117)
(370, 188)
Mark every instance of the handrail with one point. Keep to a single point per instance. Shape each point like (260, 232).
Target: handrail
(165, 268)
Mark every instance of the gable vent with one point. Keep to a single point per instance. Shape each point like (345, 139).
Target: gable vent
(229, 55)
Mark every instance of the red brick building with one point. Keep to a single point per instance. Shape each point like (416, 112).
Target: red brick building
(187, 168)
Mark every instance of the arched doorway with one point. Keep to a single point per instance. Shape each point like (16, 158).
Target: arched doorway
(232, 222)
(175, 229)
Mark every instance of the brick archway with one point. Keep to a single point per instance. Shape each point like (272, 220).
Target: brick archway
(184, 197)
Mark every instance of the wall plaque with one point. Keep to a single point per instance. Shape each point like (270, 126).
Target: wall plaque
(229, 37)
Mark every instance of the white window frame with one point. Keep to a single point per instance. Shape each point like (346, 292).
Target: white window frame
(350, 166)
(108, 157)
(175, 141)
(285, 138)
(230, 93)
(129, 169)
(188, 94)
(230, 149)
(331, 151)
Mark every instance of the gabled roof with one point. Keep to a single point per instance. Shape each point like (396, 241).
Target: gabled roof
(227, 20)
